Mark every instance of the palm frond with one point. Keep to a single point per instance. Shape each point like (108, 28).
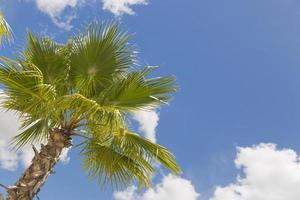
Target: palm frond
(5, 30)
(110, 164)
(134, 91)
(98, 55)
(26, 94)
(32, 133)
(82, 108)
(50, 58)
(24, 88)
(152, 151)
(124, 157)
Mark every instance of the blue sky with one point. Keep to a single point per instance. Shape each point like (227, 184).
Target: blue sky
(238, 67)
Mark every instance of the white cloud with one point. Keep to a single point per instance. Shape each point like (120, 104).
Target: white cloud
(65, 22)
(269, 173)
(64, 157)
(120, 7)
(8, 159)
(55, 7)
(9, 127)
(171, 187)
(148, 121)
(56, 11)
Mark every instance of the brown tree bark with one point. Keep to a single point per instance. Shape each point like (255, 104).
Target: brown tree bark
(41, 166)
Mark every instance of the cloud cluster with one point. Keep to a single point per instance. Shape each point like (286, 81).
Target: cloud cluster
(56, 9)
(269, 173)
(171, 187)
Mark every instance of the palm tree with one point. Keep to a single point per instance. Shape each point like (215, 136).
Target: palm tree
(5, 30)
(89, 88)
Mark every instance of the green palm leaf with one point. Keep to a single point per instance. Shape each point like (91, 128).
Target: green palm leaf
(5, 30)
(134, 91)
(50, 58)
(125, 157)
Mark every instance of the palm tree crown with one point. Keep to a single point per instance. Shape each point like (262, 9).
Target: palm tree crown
(89, 87)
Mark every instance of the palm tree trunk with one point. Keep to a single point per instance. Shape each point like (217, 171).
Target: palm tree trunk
(41, 167)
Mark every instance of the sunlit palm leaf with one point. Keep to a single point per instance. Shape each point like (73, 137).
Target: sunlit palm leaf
(36, 132)
(134, 91)
(124, 156)
(5, 30)
(152, 151)
(112, 164)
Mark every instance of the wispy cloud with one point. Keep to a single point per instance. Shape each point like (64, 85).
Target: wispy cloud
(55, 9)
(120, 7)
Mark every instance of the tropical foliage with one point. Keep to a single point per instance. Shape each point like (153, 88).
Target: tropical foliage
(89, 87)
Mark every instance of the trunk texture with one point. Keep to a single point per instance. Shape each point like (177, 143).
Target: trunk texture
(41, 166)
